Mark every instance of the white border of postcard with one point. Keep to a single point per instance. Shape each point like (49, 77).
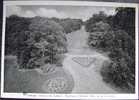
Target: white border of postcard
(68, 96)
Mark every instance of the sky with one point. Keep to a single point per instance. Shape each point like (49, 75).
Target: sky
(80, 12)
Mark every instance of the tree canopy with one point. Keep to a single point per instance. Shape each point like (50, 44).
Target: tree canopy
(37, 41)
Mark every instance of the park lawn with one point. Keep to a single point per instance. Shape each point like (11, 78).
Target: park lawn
(31, 81)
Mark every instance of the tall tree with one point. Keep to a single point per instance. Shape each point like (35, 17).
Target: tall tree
(125, 19)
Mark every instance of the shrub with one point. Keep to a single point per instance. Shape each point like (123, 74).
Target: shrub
(97, 33)
(119, 72)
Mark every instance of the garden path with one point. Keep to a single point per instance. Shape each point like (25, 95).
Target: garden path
(86, 79)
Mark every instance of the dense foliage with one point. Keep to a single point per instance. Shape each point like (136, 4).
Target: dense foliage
(115, 34)
(16, 28)
(90, 23)
(69, 25)
(125, 19)
(38, 41)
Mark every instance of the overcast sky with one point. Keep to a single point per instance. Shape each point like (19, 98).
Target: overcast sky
(82, 12)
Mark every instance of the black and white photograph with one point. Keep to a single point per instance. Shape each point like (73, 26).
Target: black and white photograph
(68, 48)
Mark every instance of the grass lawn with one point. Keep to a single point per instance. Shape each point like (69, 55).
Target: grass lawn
(31, 81)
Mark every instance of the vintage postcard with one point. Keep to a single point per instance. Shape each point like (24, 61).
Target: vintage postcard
(69, 49)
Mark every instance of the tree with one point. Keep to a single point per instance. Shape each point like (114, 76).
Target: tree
(95, 19)
(125, 19)
(71, 25)
(16, 36)
(45, 37)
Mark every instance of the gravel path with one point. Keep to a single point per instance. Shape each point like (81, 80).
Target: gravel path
(86, 79)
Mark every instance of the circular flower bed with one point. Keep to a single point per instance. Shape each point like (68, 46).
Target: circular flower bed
(55, 85)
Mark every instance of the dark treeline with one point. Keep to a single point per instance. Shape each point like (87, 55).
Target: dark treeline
(115, 34)
(38, 41)
(69, 25)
